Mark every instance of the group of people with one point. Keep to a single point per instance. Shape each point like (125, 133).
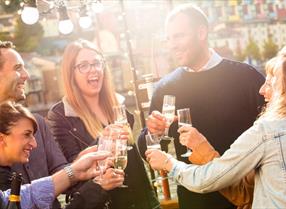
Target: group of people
(75, 124)
(225, 97)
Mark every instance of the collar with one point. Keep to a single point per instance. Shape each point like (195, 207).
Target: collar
(68, 109)
(214, 60)
(70, 112)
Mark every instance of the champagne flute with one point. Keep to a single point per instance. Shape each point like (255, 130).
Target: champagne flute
(120, 118)
(121, 152)
(105, 146)
(184, 119)
(153, 142)
(168, 110)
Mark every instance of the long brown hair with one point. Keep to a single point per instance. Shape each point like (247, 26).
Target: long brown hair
(74, 96)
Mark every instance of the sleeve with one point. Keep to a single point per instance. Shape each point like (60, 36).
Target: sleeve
(203, 153)
(241, 192)
(89, 196)
(39, 194)
(63, 135)
(3, 199)
(242, 157)
(56, 159)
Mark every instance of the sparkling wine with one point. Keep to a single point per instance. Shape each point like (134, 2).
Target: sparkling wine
(183, 124)
(169, 112)
(121, 121)
(120, 162)
(154, 146)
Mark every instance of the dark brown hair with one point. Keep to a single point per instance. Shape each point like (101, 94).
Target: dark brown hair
(5, 45)
(11, 113)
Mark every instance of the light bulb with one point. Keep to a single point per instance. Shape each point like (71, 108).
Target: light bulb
(7, 2)
(85, 22)
(30, 15)
(65, 26)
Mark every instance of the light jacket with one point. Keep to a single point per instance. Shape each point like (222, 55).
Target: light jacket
(260, 148)
(240, 193)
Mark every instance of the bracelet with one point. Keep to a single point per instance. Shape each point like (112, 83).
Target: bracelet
(69, 171)
(166, 161)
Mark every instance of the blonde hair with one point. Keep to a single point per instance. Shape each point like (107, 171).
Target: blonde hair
(277, 106)
(107, 98)
(271, 66)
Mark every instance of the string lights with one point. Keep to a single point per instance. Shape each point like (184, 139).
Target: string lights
(30, 13)
(65, 25)
(84, 21)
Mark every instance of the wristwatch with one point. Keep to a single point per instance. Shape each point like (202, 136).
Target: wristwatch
(69, 171)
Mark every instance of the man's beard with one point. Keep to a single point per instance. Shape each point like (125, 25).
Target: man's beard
(13, 93)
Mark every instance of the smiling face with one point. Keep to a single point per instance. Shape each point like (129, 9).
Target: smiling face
(13, 76)
(89, 82)
(184, 41)
(266, 89)
(18, 142)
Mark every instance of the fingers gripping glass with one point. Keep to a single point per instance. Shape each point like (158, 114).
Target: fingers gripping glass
(184, 119)
(153, 142)
(85, 67)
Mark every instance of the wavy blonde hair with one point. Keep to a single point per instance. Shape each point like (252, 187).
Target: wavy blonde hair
(107, 98)
(277, 106)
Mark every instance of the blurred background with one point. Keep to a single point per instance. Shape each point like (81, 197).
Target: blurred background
(131, 35)
(246, 30)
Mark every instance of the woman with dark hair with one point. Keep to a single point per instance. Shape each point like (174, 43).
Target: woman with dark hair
(17, 128)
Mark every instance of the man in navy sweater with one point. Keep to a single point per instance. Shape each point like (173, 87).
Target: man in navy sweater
(222, 95)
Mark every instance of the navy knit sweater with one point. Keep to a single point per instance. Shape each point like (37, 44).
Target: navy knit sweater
(224, 102)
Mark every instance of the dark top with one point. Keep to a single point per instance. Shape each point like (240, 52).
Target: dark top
(83, 198)
(224, 101)
(73, 137)
(88, 196)
(45, 159)
(5, 177)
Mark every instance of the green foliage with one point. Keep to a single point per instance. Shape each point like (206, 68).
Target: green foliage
(252, 50)
(13, 6)
(239, 54)
(270, 49)
(5, 36)
(27, 37)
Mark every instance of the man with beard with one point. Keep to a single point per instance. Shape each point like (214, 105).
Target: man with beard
(222, 95)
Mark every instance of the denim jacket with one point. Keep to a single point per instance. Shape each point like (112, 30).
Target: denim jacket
(262, 148)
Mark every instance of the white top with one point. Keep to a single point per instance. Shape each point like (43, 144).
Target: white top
(214, 60)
